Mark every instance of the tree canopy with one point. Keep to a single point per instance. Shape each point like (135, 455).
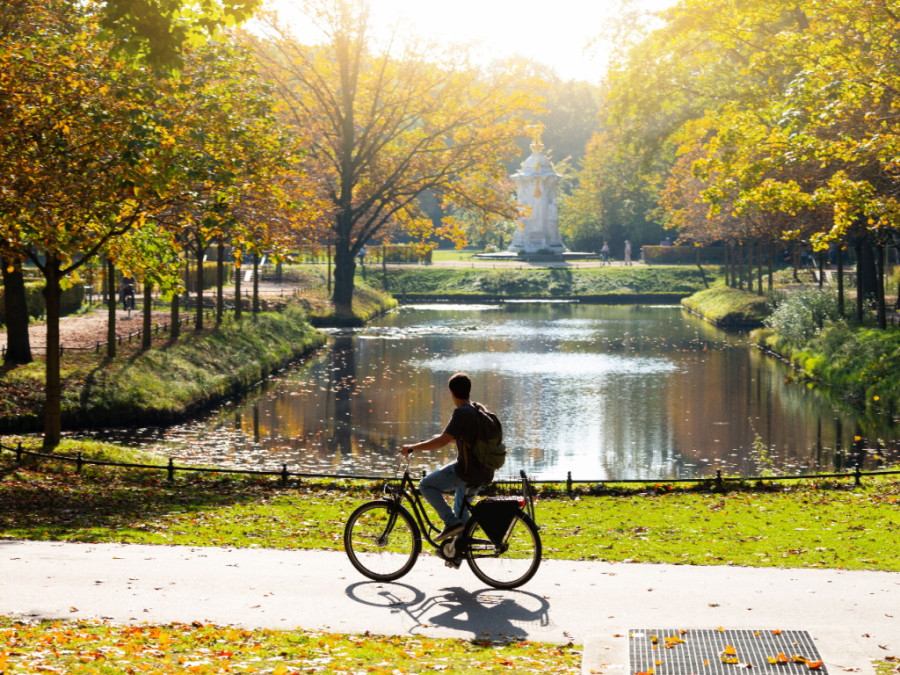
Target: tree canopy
(383, 125)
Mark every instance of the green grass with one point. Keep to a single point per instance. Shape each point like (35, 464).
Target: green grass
(548, 282)
(97, 647)
(826, 524)
(728, 306)
(168, 380)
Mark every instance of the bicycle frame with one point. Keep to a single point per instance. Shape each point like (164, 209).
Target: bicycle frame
(407, 490)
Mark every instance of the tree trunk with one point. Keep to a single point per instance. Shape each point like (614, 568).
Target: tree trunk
(859, 292)
(795, 259)
(879, 288)
(175, 318)
(759, 269)
(750, 267)
(740, 257)
(238, 305)
(18, 342)
(771, 261)
(820, 263)
(344, 276)
(53, 385)
(111, 309)
(147, 311)
(255, 304)
(198, 321)
(840, 279)
(867, 275)
(220, 282)
(328, 268)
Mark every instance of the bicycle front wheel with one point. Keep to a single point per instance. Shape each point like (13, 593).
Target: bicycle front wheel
(508, 564)
(382, 540)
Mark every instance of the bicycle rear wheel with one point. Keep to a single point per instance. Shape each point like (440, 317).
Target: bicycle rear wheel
(382, 540)
(508, 564)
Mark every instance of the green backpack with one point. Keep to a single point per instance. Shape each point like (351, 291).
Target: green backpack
(489, 449)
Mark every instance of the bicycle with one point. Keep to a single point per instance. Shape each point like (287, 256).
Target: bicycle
(500, 541)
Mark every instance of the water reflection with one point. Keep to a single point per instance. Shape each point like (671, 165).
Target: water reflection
(602, 392)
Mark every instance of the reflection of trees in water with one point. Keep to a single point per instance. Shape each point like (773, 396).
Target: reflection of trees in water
(349, 409)
(341, 384)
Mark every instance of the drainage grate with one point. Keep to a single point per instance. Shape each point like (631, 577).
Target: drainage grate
(706, 652)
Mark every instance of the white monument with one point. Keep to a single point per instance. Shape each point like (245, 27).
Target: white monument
(536, 183)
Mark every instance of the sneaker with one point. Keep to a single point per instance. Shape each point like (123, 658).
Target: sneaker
(449, 531)
(455, 563)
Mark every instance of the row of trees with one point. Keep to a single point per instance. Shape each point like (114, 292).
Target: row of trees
(138, 146)
(758, 122)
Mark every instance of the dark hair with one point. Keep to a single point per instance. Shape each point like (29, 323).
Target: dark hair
(460, 385)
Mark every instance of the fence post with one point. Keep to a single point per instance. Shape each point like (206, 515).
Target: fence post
(171, 470)
(857, 475)
(284, 475)
(719, 478)
(569, 483)
(79, 462)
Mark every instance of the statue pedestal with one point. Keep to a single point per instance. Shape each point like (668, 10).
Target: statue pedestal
(536, 183)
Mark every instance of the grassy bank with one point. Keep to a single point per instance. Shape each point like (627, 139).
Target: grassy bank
(728, 307)
(832, 524)
(859, 364)
(676, 281)
(173, 380)
(166, 382)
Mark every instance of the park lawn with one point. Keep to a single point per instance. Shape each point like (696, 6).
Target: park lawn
(99, 647)
(825, 524)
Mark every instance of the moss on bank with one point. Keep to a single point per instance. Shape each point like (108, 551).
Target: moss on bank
(728, 307)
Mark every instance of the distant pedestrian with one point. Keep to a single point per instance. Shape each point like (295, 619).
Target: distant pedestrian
(604, 253)
(627, 252)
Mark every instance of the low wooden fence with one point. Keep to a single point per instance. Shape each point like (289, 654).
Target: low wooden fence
(718, 481)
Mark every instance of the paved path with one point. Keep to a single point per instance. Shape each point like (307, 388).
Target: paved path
(852, 616)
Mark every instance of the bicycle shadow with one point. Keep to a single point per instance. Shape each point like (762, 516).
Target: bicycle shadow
(486, 614)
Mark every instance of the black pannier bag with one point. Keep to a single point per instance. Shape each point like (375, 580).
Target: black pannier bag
(495, 515)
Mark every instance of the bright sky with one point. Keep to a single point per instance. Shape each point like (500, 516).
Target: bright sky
(554, 32)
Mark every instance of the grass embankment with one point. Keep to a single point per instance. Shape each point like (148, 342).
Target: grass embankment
(166, 382)
(728, 307)
(859, 364)
(175, 379)
(831, 525)
(589, 283)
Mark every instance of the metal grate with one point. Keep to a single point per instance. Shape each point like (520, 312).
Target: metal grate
(705, 652)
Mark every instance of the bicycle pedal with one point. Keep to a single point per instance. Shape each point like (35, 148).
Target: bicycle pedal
(455, 563)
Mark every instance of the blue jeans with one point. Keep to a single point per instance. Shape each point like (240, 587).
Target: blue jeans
(445, 480)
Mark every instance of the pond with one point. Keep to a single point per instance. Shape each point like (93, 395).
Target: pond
(604, 392)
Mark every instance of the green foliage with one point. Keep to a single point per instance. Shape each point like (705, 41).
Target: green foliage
(684, 255)
(803, 313)
(728, 307)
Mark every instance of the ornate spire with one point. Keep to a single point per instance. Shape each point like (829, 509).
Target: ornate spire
(535, 130)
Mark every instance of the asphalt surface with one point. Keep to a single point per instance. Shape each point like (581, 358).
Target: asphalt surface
(851, 616)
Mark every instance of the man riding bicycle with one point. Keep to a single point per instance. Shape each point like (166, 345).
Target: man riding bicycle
(466, 476)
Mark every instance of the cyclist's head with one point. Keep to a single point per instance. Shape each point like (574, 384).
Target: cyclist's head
(460, 386)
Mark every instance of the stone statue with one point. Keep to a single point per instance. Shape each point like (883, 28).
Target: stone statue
(536, 191)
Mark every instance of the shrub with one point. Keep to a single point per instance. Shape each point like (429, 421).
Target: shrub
(803, 314)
